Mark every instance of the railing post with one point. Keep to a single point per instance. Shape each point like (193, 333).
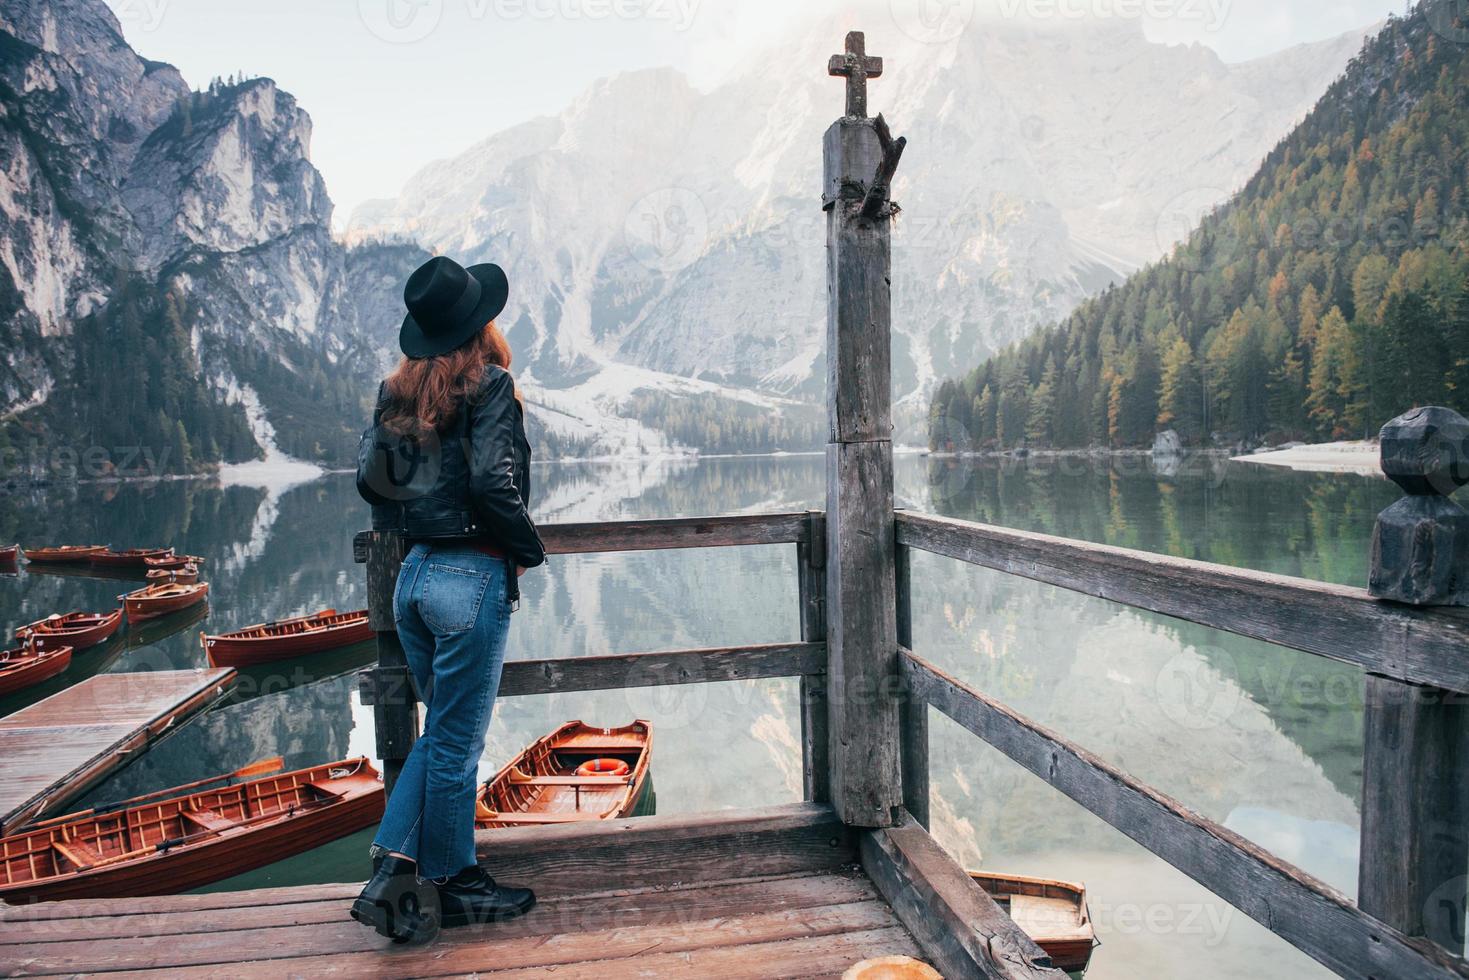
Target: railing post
(859, 157)
(1415, 768)
(811, 586)
(388, 687)
(913, 711)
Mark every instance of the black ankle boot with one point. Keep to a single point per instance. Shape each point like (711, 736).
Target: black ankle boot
(397, 904)
(472, 897)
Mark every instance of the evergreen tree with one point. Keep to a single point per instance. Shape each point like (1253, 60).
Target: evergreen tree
(1039, 429)
(1180, 397)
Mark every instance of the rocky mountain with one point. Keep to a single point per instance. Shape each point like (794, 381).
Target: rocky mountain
(666, 247)
(168, 278)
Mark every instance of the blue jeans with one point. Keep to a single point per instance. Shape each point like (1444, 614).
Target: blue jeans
(453, 617)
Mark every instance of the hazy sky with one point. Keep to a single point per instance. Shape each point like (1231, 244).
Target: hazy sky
(393, 84)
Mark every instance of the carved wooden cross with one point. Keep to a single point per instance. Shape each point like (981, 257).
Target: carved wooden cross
(858, 68)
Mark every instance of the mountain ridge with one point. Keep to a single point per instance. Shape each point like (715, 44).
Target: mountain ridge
(709, 265)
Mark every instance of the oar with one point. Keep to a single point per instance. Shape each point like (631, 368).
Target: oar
(257, 768)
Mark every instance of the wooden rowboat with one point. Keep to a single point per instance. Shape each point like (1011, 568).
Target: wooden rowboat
(186, 837)
(287, 638)
(9, 556)
(575, 773)
(1053, 913)
(173, 561)
(162, 599)
(132, 558)
(29, 665)
(183, 575)
(78, 630)
(64, 553)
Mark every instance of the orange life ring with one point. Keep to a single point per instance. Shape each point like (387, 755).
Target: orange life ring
(603, 767)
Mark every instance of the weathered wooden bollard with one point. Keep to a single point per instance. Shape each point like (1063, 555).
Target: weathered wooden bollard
(859, 158)
(388, 687)
(1415, 771)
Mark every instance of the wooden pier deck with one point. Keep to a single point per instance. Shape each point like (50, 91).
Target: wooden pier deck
(57, 749)
(775, 892)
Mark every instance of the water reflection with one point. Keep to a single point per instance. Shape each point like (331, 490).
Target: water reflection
(1265, 741)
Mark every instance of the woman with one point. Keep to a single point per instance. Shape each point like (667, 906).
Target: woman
(447, 464)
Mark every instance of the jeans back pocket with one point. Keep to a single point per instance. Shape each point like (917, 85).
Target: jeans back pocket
(452, 596)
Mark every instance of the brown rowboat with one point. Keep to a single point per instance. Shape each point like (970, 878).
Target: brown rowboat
(287, 638)
(64, 553)
(160, 600)
(78, 630)
(173, 561)
(181, 840)
(183, 575)
(132, 558)
(575, 773)
(1053, 913)
(8, 556)
(29, 665)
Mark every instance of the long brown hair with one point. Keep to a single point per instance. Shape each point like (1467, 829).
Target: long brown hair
(424, 393)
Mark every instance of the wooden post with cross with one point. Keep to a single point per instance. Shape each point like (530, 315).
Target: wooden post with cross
(859, 157)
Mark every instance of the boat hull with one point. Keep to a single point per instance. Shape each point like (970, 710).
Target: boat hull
(188, 575)
(1053, 913)
(128, 559)
(238, 650)
(65, 631)
(173, 561)
(193, 865)
(541, 786)
(63, 556)
(42, 667)
(141, 608)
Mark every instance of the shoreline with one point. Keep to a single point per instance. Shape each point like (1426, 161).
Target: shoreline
(1356, 456)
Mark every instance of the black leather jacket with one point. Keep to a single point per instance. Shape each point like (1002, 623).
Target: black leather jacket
(469, 482)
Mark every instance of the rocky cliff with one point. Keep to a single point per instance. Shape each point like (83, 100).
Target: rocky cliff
(168, 277)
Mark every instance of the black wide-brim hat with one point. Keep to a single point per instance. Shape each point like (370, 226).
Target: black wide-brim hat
(448, 304)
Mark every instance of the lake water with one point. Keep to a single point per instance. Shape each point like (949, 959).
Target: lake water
(1263, 740)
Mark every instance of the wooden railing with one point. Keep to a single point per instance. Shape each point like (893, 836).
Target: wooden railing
(388, 689)
(1415, 827)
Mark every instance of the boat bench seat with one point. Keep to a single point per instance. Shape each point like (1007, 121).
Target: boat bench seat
(325, 792)
(207, 820)
(81, 855)
(514, 817)
(590, 782)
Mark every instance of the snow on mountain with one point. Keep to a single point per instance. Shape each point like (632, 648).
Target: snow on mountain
(657, 234)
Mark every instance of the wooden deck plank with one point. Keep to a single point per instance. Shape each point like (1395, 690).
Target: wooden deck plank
(491, 950)
(56, 749)
(818, 956)
(809, 956)
(636, 852)
(272, 909)
(117, 908)
(562, 931)
(963, 931)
